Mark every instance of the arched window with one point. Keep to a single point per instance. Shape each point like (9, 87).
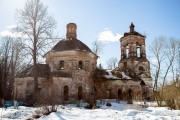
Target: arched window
(80, 65)
(141, 68)
(138, 51)
(66, 92)
(80, 93)
(127, 51)
(73, 30)
(61, 64)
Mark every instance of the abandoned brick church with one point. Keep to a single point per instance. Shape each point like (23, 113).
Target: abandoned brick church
(70, 72)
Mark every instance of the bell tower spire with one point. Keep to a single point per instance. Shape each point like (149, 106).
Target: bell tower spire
(131, 27)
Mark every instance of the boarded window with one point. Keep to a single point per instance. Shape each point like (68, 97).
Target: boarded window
(66, 92)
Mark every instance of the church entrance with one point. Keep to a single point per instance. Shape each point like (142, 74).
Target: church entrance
(119, 94)
(66, 92)
(130, 93)
(80, 93)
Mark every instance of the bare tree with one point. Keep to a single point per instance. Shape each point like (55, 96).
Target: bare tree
(10, 62)
(37, 28)
(5, 51)
(98, 47)
(159, 55)
(112, 63)
(171, 50)
(178, 63)
(165, 53)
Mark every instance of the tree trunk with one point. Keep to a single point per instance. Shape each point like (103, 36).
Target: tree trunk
(35, 66)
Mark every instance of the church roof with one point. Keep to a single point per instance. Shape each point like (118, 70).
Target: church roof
(43, 71)
(73, 44)
(132, 31)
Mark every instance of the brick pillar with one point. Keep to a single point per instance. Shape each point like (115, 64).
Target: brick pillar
(143, 51)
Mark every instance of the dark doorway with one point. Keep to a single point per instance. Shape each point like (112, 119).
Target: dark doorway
(130, 97)
(66, 92)
(80, 93)
(130, 93)
(119, 94)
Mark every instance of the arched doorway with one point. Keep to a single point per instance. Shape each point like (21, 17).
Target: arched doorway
(130, 97)
(66, 92)
(119, 94)
(130, 93)
(80, 92)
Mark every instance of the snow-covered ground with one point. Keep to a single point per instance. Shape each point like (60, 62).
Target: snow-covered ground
(118, 111)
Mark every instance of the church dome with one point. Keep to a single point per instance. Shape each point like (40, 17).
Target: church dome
(73, 44)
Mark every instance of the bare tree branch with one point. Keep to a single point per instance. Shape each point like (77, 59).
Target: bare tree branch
(98, 47)
(112, 63)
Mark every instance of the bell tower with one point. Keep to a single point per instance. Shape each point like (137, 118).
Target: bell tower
(133, 54)
(71, 31)
(132, 44)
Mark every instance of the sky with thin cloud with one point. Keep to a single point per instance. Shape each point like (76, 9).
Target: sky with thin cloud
(104, 20)
(108, 36)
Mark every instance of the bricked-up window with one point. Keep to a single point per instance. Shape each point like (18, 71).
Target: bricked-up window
(66, 92)
(86, 66)
(80, 93)
(92, 66)
(80, 65)
(69, 30)
(73, 30)
(61, 64)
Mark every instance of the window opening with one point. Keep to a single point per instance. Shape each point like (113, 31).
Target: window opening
(61, 64)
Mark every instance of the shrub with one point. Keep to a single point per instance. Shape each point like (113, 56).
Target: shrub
(108, 104)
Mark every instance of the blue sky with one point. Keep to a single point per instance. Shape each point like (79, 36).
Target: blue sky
(97, 17)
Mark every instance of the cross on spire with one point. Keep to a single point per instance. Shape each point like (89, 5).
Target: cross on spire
(131, 27)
